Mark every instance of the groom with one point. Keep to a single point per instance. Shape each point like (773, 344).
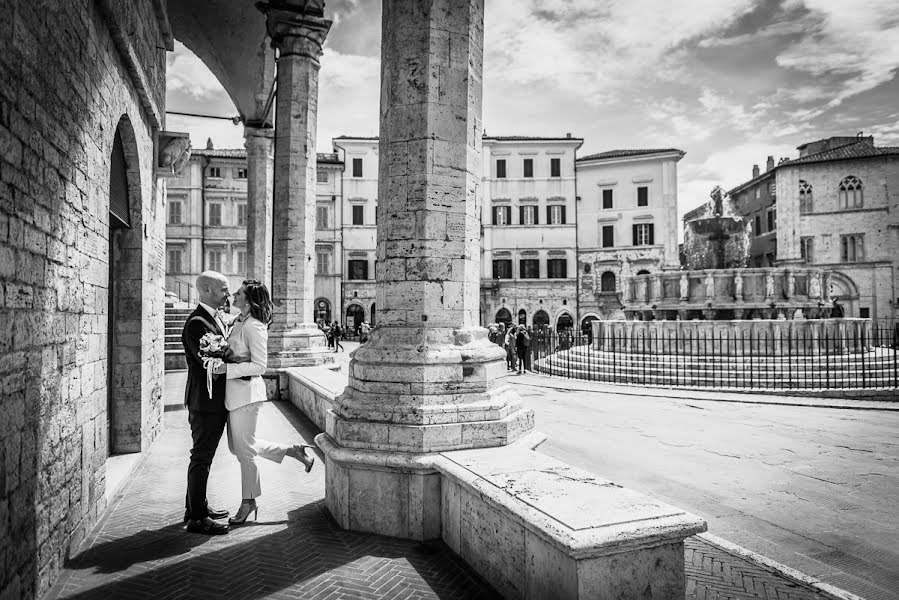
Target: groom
(207, 416)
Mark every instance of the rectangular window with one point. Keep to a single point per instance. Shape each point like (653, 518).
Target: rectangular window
(555, 167)
(358, 214)
(529, 268)
(321, 176)
(321, 217)
(242, 261)
(529, 167)
(174, 262)
(240, 173)
(642, 196)
(214, 172)
(555, 214)
(557, 268)
(174, 212)
(500, 168)
(772, 219)
(864, 312)
(608, 236)
(358, 269)
(215, 216)
(527, 215)
(241, 215)
(807, 249)
(644, 234)
(607, 199)
(852, 248)
(502, 269)
(357, 167)
(323, 262)
(215, 261)
(757, 225)
(502, 215)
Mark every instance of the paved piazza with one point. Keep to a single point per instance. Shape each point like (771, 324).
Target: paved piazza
(814, 488)
(139, 548)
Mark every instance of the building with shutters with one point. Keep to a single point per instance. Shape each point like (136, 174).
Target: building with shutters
(626, 223)
(756, 200)
(529, 245)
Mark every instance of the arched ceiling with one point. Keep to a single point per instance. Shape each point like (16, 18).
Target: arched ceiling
(229, 36)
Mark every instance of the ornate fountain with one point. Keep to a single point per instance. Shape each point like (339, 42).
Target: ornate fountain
(717, 295)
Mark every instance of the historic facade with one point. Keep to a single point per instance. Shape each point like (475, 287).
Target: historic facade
(832, 207)
(626, 223)
(528, 219)
(82, 240)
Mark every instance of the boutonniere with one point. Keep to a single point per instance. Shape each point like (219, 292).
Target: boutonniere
(227, 320)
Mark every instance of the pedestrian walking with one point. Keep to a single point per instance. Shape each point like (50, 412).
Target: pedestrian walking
(521, 349)
(509, 345)
(337, 333)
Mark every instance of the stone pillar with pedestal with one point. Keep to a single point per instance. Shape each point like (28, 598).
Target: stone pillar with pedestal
(428, 380)
(260, 178)
(297, 29)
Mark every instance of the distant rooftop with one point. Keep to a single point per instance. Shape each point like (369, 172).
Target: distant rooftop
(628, 153)
(241, 153)
(862, 148)
(529, 138)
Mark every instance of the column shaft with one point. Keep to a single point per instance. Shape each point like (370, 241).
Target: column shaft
(260, 178)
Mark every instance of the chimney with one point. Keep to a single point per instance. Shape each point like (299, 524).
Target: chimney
(209, 143)
(755, 171)
(770, 164)
(568, 136)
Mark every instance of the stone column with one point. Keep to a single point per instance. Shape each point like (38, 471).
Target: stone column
(428, 380)
(298, 34)
(260, 177)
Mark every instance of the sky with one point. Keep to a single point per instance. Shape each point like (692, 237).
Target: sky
(729, 82)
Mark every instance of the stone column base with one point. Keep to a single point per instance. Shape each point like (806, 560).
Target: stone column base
(396, 495)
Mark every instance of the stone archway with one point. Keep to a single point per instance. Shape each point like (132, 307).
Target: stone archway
(522, 317)
(125, 294)
(355, 314)
(322, 310)
(843, 288)
(540, 320)
(564, 321)
(504, 316)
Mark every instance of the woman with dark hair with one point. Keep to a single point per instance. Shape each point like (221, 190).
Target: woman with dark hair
(245, 392)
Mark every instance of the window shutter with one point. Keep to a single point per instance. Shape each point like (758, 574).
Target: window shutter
(536, 215)
(549, 215)
(563, 216)
(634, 229)
(652, 234)
(118, 185)
(494, 214)
(508, 210)
(521, 215)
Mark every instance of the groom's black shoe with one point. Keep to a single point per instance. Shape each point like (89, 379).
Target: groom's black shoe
(207, 527)
(212, 513)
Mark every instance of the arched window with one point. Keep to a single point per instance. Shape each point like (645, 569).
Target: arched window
(372, 314)
(805, 197)
(608, 282)
(504, 316)
(522, 317)
(851, 192)
(541, 319)
(564, 322)
(642, 272)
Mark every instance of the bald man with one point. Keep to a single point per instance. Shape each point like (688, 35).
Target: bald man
(207, 415)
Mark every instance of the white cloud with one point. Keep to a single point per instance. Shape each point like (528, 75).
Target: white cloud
(596, 51)
(349, 97)
(853, 43)
(224, 134)
(188, 75)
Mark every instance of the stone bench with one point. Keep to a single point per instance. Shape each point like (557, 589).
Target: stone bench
(531, 525)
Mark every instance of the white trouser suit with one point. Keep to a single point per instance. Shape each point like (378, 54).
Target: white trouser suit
(243, 399)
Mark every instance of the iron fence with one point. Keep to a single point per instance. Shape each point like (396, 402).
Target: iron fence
(751, 360)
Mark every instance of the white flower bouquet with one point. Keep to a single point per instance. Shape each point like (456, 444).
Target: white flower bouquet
(213, 348)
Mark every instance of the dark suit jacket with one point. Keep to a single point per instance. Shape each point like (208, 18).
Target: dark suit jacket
(196, 396)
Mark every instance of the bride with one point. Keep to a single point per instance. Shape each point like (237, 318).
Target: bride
(245, 392)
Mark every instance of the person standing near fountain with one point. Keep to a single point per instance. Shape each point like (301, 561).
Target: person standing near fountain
(769, 285)
(837, 311)
(684, 287)
(710, 286)
(738, 286)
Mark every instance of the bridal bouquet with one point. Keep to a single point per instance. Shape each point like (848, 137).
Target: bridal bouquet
(213, 348)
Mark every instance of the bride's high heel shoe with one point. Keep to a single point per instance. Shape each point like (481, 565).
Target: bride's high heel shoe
(298, 451)
(244, 511)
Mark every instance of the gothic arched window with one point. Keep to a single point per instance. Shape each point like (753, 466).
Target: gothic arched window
(608, 282)
(805, 197)
(851, 192)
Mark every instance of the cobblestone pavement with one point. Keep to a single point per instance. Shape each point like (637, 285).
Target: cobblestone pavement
(140, 549)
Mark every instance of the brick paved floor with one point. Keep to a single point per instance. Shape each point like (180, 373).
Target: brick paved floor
(140, 549)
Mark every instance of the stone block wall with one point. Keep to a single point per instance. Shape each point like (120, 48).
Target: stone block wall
(69, 76)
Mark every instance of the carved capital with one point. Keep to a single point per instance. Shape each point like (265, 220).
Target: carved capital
(295, 32)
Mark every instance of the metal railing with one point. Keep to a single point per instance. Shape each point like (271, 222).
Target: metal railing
(754, 360)
(184, 290)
